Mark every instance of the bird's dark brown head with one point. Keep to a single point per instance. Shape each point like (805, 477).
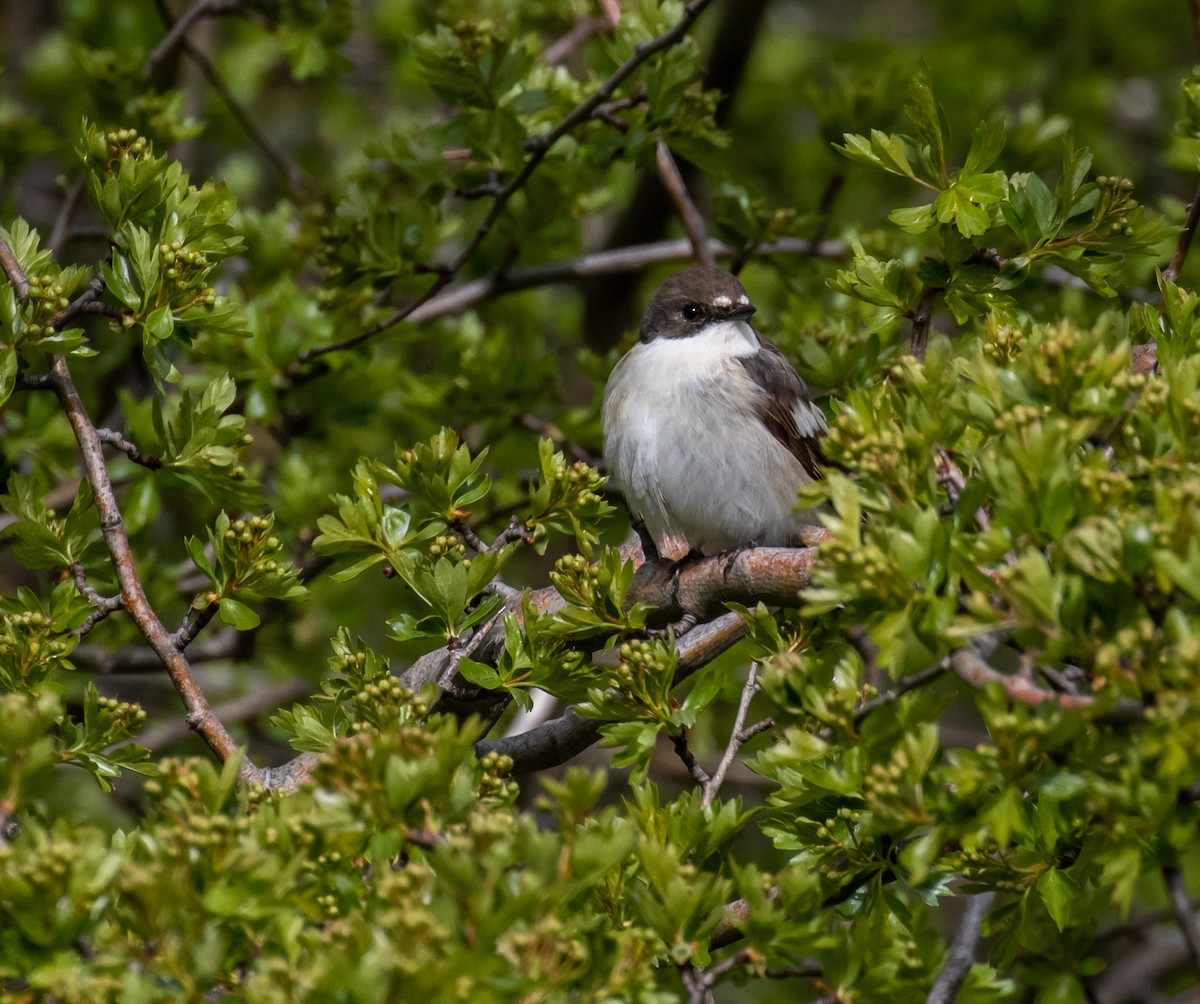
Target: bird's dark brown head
(688, 302)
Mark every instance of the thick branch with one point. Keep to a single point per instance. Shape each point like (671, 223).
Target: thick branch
(962, 952)
(559, 740)
(774, 575)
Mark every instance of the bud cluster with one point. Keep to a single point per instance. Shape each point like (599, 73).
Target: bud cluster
(576, 579)
(47, 297)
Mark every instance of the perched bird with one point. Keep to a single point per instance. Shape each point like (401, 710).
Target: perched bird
(708, 429)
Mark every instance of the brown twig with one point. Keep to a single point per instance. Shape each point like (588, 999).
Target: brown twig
(689, 761)
(110, 437)
(1186, 234)
(174, 37)
(921, 316)
(104, 605)
(200, 716)
(1185, 913)
(195, 621)
(962, 951)
(584, 28)
(62, 222)
(80, 304)
(904, 686)
(14, 271)
(685, 208)
(538, 147)
(971, 668)
(713, 785)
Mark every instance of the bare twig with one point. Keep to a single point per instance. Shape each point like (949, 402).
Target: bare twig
(112, 438)
(1186, 235)
(904, 686)
(974, 670)
(174, 37)
(713, 785)
(688, 759)
(516, 530)
(1185, 914)
(921, 316)
(104, 605)
(14, 271)
(685, 208)
(251, 706)
(62, 222)
(80, 304)
(538, 147)
(196, 620)
(962, 951)
(293, 174)
(634, 258)
(584, 28)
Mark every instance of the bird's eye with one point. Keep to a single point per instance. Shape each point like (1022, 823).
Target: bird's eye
(691, 311)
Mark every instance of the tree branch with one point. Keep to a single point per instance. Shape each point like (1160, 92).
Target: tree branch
(200, 716)
(14, 271)
(559, 740)
(104, 605)
(538, 147)
(904, 686)
(975, 671)
(1186, 234)
(962, 951)
(174, 37)
(1185, 914)
(736, 739)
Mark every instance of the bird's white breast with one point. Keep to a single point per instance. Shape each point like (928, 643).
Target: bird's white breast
(684, 441)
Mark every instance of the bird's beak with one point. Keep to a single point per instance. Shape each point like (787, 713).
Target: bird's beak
(742, 313)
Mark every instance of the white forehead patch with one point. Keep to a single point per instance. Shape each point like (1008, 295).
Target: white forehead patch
(722, 301)
(744, 300)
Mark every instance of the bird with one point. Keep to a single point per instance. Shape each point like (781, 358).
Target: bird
(709, 431)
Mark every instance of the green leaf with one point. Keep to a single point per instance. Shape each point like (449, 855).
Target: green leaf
(238, 615)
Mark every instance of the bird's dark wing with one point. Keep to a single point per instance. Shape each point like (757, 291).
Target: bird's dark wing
(786, 407)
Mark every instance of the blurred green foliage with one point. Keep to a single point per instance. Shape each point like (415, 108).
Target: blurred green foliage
(218, 237)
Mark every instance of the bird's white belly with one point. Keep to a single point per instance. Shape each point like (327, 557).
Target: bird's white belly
(686, 446)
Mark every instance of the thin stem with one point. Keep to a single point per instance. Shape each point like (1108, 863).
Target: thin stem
(1181, 905)
(685, 208)
(1188, 233)
(118, 442)
(62, 222)
(174, 37)
(689, 761)
(906, 684)
(735, 740)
